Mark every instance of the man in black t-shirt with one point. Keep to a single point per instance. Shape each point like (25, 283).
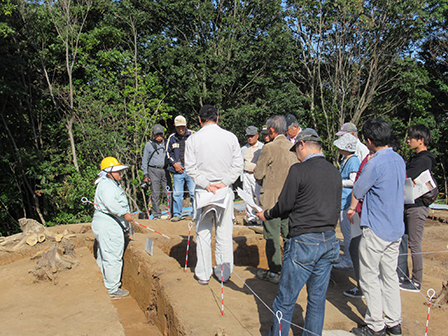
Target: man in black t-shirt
(415, 214)
(311, 199)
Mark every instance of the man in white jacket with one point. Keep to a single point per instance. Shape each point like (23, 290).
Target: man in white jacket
(213, 160)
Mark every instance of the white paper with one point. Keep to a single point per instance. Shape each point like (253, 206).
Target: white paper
(408, 191)
(248, 199)
(208, 198)
(421, 185)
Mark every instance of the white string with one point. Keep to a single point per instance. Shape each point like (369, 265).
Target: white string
(258, 297)
(402, 272)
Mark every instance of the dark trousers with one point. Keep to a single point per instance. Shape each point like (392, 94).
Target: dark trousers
(354, 254)
(414, 220)
(159, 178)
(272, 230)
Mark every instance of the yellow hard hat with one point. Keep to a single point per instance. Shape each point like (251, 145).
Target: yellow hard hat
(110, 162)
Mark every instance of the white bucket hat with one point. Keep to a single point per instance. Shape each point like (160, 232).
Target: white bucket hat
(346, 142)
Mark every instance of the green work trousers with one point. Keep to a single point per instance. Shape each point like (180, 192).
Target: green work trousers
(272, 230)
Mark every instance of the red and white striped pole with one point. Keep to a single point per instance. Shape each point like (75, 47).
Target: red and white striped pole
(429, 307)
(222, 287)
(152, 230)
(190, 225)
(279, 317)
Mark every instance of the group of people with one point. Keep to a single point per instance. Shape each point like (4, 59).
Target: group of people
(164, 156)
(303, 196)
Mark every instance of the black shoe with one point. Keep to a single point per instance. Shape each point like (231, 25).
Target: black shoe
(366, 331)
(355, 293)
(394, 331)
(410, 286)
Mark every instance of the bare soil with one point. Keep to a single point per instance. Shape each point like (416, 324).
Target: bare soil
(166, 300)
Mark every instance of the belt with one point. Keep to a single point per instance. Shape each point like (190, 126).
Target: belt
(158, 167)
(249, 172)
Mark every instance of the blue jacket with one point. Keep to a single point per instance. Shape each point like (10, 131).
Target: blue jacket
(173, 149)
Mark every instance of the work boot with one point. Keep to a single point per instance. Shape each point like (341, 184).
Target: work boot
(119, 293)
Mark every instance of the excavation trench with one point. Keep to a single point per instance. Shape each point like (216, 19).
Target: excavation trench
(173, 301)
(167, 294)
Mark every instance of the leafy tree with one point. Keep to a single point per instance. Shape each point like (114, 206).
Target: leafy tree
(346, 52)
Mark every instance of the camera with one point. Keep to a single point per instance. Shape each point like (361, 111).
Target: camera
(145, 185)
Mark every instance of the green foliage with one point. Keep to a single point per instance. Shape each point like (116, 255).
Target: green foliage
(98, 75)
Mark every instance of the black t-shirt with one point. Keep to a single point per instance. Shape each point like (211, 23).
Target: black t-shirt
(416, 165)
(311, 197)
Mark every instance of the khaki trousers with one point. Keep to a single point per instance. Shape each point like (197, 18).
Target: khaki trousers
(379, 280)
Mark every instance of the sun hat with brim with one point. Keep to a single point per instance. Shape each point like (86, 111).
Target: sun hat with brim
(347, 128)
(115, 168)
(347, 142)
(308, 134)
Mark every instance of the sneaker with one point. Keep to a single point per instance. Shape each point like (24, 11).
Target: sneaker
(410, 286)
(119, 293)
(165, 217)
(344, 265)
(268, 276)
(175, 219)
(394, 331)
(366, 331)
(355, 293)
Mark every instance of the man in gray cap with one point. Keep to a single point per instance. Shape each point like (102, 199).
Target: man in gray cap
(293, 128)
(154, 167)
(250, 153)
(311, 197)
(361, 150)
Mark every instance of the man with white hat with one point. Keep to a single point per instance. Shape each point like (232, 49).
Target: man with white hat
(361, 150)
(175, 150)
(250, 153)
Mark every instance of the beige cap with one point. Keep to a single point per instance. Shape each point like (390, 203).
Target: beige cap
(180, 121)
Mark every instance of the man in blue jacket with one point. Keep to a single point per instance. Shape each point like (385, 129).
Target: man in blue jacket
(175, 150)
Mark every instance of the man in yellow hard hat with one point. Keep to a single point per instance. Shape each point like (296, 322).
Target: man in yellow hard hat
(109, 223)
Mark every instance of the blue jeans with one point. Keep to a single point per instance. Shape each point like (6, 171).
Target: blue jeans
(178, 195)
(307, 260)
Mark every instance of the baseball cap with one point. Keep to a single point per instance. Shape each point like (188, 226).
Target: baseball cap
(251, 130)
(308, 134)
(157, 129)
(346, 142)
(264, 129)
(290, 119)
(347, 128)
(180, 121)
